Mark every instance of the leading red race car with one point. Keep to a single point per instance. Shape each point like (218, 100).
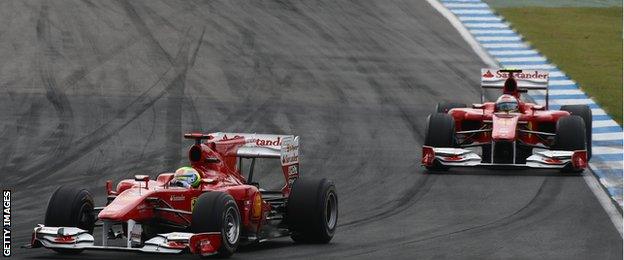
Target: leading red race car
(510, 132)
(221, 210)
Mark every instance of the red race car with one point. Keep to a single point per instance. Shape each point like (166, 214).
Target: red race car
(510, 132)
(208, 208)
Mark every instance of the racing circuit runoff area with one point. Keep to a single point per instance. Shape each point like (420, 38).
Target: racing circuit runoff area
(98, 90)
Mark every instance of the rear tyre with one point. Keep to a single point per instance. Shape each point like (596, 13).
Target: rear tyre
(440, 133)
(444, 107)
(570, 135)
(584, 112)
(70, 207)
(312, 211)
(217, 212)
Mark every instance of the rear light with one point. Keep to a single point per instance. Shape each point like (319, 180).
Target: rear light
(579, 159)
(428, 156)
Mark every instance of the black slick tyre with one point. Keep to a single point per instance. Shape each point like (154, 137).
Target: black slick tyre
(217, 212)
(440, 133)
(312, 211)
(584, 112)
(70, 207)
(570, 135)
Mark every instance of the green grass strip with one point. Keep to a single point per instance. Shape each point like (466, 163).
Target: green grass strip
(586, 43)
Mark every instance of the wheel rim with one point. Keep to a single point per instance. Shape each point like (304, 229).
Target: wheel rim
(231, 226)
(331, 211)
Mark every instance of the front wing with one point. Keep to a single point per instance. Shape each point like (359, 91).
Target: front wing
(550, 159)
(72, 238)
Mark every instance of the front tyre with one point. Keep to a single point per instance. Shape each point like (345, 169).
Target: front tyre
(312, 211)
(70, 207)
(570, 135)
(440, 133)
(217, 212)
(584, 112)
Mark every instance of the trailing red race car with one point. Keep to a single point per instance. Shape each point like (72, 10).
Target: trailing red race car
(208, 208)
(510, 132)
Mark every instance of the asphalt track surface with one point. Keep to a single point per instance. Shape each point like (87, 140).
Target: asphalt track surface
(96, 90)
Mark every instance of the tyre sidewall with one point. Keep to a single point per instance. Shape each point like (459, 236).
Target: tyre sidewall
(586, 114)
(570, 134)
(65, 207)
(209, 215)
(307, 210)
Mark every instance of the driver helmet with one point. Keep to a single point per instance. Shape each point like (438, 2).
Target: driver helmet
(507, 103)
(187, 176)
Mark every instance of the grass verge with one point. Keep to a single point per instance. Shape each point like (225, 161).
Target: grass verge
(586, 43)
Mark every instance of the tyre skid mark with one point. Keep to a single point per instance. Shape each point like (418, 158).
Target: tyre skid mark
(109, 129)
(539, 202)
(64, 132)
(362, 249)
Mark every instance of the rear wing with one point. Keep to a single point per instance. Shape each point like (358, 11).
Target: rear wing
(524, 80)
(284, 147)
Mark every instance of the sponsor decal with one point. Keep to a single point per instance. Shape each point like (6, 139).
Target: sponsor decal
(292, 148)
(6, 223)
(289, 152)
(293, 170)
(521, 75)
(290, 159)
(226, 138)
(177, 198)
(488, 74)
(258, 141)
(261, 142)
(293, 173)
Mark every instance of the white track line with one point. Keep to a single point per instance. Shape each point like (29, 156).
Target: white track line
(499, 38)
(472, 11)
(598, 112)
(606, 150)
(480, 18)
(493, 31)
(605, 201)
(468, 1)
(466, 5)
(518, 52)
(556, 74)
(607, 136)
(504, 45)
(519, 59)
(560, 92)
(592, 182)
(606, 165)
(604, 123)
(561, 82)
(485, 25)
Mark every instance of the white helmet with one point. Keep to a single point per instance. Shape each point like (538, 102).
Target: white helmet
(507, 103)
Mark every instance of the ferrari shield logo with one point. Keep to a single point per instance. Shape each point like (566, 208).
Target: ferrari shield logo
(193, 200)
